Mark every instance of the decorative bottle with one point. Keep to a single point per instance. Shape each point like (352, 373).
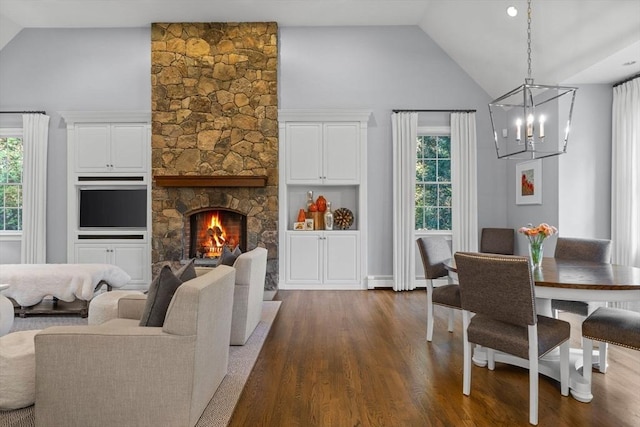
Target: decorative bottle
(309, 199)
(328, 218)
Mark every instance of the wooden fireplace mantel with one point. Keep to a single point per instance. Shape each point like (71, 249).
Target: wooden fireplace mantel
(210, 180)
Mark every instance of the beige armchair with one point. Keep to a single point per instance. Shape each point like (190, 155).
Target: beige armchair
(122, 374)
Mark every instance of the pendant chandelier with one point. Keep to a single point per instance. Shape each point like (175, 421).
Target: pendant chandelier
(532, 121)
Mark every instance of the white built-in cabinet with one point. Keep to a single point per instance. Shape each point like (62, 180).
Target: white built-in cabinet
(109, 150)
(106, 147)
(323, 151)
(131, 257)
(323, 258)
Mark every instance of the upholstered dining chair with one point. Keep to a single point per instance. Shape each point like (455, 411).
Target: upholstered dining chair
(434, 251)
(595, 250)
(609, 325)
(497, 241)
(499, 291)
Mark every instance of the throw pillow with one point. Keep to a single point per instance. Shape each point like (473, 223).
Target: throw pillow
(187, 271)
(227, 257)
(160, 293)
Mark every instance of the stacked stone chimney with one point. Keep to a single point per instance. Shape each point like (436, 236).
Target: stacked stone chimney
(214, 113)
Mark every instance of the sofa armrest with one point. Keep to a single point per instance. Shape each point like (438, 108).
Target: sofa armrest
(131, 306)
(83, 371)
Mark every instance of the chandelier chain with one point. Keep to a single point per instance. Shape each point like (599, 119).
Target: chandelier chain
(529, 39)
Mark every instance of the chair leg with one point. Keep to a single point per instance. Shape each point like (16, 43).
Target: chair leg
(564, 368)
(429, 314)
(587, 352)
(533, 374)
(466, 372)
(451, 320)
(602, 346)
(491, 360)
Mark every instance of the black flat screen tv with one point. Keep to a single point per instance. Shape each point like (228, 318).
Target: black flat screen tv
(113, 208)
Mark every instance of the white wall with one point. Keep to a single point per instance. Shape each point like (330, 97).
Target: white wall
(72, 70)
(576, 185)
(584, 204)
(386, 68)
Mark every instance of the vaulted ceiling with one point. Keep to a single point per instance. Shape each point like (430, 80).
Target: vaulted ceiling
(573, 41)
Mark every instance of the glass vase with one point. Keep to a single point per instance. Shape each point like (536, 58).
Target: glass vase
(536, 251)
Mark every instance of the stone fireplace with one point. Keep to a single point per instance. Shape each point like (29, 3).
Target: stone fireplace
(214, 138)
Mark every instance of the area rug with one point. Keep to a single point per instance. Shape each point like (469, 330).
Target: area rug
(220, 408)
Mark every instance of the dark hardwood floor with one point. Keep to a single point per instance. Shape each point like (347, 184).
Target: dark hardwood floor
(360, 358)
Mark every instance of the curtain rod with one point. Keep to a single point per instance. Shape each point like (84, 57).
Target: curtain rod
(23, 112)
(434, 111)
(626, 80)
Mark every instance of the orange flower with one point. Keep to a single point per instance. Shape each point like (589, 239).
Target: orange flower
(537, 234)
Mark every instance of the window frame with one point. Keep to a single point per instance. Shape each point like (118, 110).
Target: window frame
(432, 131)
(13, 132)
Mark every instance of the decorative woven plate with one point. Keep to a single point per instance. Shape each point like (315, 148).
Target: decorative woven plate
(343, 218)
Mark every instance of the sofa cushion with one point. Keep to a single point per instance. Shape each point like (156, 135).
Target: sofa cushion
(187, 271)
(228, 257)
(160, 293)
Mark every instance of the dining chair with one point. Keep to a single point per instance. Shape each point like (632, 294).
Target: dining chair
(499, 291)
(609, 325)
(497, 241)
(595, 250)
(434, 251)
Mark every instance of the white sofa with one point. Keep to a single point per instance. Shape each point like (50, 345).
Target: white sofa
(119, 373)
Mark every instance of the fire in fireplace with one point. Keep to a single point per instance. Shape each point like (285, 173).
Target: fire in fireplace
(212, 229)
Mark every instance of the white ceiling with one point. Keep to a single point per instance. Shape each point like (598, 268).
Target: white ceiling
(573, 41)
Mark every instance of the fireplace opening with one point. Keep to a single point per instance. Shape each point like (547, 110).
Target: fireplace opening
(211, 230)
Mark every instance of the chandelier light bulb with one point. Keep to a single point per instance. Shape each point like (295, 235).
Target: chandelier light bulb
(518, 126)
(530, 126)
(512, 11)
(541, 127)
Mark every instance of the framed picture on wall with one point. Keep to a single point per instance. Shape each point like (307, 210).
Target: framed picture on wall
(529, 183)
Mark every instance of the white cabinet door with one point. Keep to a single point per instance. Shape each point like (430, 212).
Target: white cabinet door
(92, 148)
(341, 153)
(133, 258)
(118, 147)
(129, 147)
(92, 254)
(322, 153)
(342, 257)
(304, 257)
(303, 150)
(323, 257)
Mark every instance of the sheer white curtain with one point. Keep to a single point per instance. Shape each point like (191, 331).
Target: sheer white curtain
(625, 177)
(464, 185)
(35, 136)
(404, 127)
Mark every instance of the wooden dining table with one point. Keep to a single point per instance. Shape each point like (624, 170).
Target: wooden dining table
(571, 280)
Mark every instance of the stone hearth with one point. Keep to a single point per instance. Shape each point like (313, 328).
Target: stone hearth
(214, 113)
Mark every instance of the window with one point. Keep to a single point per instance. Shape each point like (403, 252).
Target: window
(433, 181)
(10, 180)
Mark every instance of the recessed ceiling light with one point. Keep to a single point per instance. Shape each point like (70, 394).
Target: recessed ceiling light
(512, 11)
(629, 63)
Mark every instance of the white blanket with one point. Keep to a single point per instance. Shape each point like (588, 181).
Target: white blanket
(30, 283)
